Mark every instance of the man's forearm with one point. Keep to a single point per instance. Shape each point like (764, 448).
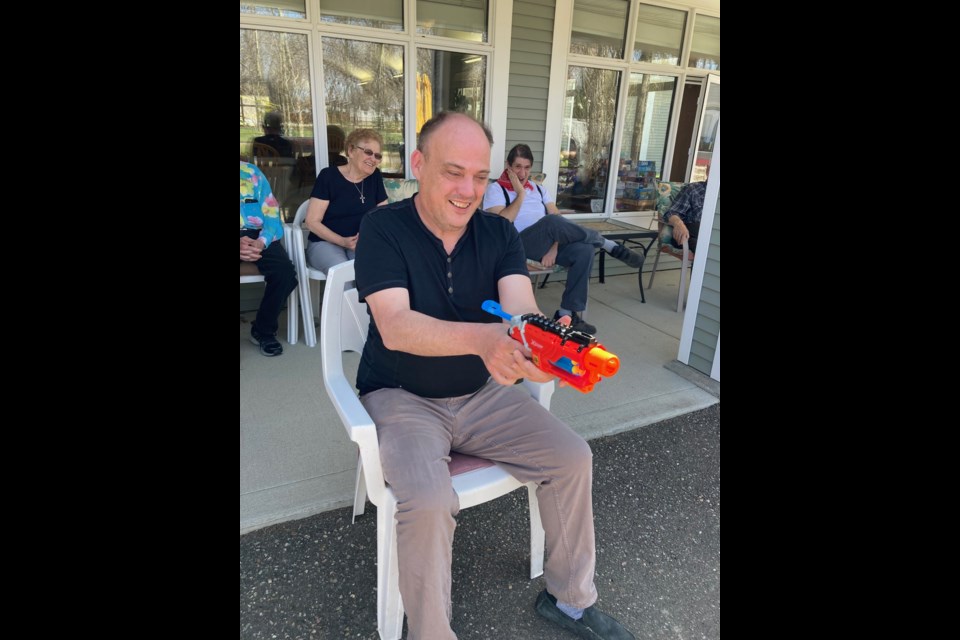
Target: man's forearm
(417, 333)
(511, 210)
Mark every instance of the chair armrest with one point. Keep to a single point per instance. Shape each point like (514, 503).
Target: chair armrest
(542, 392)
(360, 429)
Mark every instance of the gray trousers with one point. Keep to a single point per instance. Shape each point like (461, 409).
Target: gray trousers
(498, 423)
(577, 246)
(322, 255)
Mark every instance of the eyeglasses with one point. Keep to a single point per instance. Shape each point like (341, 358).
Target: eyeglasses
(378, 156)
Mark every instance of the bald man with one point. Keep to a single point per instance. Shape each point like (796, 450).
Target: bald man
(437, 375)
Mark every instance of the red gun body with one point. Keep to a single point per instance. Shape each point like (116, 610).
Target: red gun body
(571, 355)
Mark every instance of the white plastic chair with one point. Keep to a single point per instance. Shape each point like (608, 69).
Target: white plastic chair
(297, 238)
(250, 273)
(343, 327)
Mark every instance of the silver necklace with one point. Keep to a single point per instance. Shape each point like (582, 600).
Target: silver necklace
(360, 191)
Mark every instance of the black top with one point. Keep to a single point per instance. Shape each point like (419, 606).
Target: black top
(345, 210)
(396, 250)
(281, 144)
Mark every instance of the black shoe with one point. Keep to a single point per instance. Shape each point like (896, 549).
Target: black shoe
(632, 258)
(269, 345)
(577, 323)
(594, 625)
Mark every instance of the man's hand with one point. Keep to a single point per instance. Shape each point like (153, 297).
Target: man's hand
(507, 360)
(680, 231)
(531, 371)
(550, 257)
(250, 249)
(514, 181)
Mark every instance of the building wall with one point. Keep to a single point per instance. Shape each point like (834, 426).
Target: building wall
(706, 330)
(530, 55)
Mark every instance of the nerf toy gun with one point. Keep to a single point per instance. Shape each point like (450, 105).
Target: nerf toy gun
(572, 355)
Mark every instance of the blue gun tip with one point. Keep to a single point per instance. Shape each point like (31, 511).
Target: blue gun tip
(494, 307)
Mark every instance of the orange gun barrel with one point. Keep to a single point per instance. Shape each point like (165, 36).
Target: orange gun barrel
(602, 361)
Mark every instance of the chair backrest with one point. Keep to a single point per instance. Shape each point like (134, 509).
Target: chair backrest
(343, 327)
(667, 192)
(261, 150)
(343, 321)
(301, 216)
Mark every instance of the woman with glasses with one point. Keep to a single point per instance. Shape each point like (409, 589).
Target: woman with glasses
(340, 198)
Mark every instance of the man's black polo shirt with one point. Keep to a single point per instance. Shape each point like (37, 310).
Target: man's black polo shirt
(395, 249)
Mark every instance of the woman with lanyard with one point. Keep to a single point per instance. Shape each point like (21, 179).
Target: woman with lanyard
(340, 198)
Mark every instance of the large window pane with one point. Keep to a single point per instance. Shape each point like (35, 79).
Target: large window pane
(705, 46)
(589, 111)
(659, 35)
(599, 27)
(380, 14)
(451, 81)
(364, 89)
(708, 132)
(278, 8)
(460, 19)
(642, 152)
(275, 104)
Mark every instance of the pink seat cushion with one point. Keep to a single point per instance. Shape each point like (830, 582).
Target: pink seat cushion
(461, 463)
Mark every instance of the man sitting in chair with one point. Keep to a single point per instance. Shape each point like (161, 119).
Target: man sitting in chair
(684, 215)
(551, 239)
(272, 130)
(437, 374)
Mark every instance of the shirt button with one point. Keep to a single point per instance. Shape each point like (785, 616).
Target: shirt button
(450, 290)
(449, 275)
(449, 259)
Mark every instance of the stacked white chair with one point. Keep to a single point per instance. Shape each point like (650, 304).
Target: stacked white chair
(296, 239)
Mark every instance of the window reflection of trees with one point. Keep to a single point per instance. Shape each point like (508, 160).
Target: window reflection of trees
(364, 88)
(593, 112)
(274, 76)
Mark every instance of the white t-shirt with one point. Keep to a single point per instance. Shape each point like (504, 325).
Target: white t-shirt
(532, 209)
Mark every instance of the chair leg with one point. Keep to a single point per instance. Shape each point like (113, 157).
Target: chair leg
(537, 536)
(389, 603)
(319, 297)
(359, 491)
(292, 301)
(684, 264)
(293, 309)
(653, 272)
(306, 301)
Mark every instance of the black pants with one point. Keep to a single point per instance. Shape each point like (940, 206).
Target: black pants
(694, 229)
(281, 279)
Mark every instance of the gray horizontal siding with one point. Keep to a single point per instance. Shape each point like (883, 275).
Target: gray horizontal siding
(521, 80)
(530, 24)
(528, 69)
(534, 93)
(703, 347)
(538, 8)
(525, 103)
(530, 46)
(530, 54)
